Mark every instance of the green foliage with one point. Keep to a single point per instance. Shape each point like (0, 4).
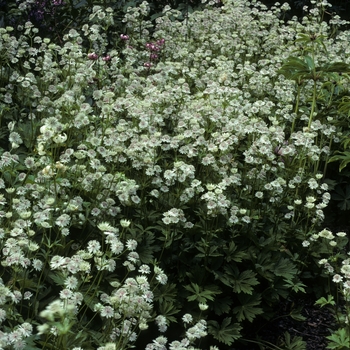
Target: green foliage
(324, 302)
(339, 340)
(248, 309)
(293, 343)
(342, 157)
(201, 294)
(244, 282)
(226, 332)
(342, 197)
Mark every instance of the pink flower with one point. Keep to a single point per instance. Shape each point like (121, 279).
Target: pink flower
(161, 42)
(92, 56)
(124, 37)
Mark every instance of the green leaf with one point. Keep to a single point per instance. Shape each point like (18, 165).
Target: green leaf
(344, 157)
(295, 314)
(165, 293)
(57, 277)
(233, 255)
(323, 301)
(30, 342)
(310, 62)
(244, 282)
(339, 340)
(295, 68)
(342, 197)
(202, 294)
(222, 305)
(295, 286)
(248, 310)
(295, 343)
(226, 333)
(264, 266)
(168, 309)
(286, 269)
(340, 67)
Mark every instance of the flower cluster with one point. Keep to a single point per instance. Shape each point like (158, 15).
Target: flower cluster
(108, 169)
(197, 331)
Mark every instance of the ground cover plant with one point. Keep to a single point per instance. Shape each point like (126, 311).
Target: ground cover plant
(165, 188)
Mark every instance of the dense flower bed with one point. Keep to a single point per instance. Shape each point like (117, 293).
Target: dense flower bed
(176, 174)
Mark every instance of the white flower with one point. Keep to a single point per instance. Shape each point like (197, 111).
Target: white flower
(131, 244)
(341, 234)
(60, 138)
(93, 246)
(162, 278)
(326, 234)
(144, 269)
(187, 318)
(337, 278)
(125, 223)
(203, 306)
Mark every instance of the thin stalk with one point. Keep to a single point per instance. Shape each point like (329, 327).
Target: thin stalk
(313, 105)
(296, 108)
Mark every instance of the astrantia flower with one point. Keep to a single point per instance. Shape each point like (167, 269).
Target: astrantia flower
(337, 278)
(95, 212)
(144, 269)
(105, 226)
(326, 234)
(133, 257)
(71, 282)
(56, 262)
(131, 244)
(162, 278)
(203, 306)
(125, 223)
(187, 318)
(341, 234)
(107, 312)
(93, 246)
(116, 246)
(37, 264)
(65, 294)
(63, 220)
(306, 243)
(2, 315)
(111, 265)
(29, 162)
(27, 295)
(346, 285)
(345, 269)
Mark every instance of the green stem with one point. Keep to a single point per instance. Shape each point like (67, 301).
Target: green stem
(313, 105)
(296, 108)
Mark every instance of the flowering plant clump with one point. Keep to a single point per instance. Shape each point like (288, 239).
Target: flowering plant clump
(172, 178)
(330, 251)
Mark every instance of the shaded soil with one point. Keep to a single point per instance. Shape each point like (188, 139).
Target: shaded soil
(317, 325)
